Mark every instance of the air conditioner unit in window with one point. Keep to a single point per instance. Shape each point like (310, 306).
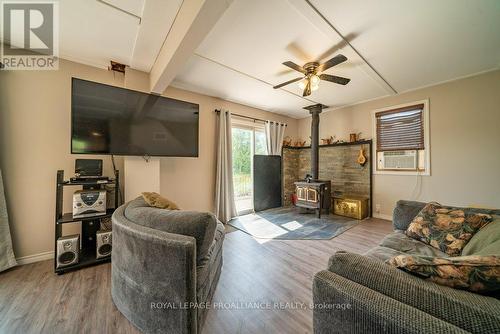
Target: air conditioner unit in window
(402, 160)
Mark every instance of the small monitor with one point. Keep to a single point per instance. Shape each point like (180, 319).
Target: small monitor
(88, 167)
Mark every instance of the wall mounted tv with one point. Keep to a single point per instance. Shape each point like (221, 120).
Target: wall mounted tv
(113, 120)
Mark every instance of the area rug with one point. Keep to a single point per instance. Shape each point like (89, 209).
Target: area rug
(289, 223)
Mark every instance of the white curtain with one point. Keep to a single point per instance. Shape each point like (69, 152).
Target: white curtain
(7, 258)
(274, 137)
(225, 208)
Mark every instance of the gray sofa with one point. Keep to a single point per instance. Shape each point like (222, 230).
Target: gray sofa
(165, 266)
(362, 294)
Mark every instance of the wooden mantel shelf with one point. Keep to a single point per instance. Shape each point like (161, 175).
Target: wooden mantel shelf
(360, 142)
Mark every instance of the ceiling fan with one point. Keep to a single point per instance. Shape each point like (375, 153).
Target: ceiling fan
(312, 74)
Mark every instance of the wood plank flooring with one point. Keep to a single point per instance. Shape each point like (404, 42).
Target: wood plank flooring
(35, 300)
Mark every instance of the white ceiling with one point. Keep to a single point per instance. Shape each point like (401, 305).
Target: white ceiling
(394, 45)
(94, 32)
(420, 43)
(410, 44)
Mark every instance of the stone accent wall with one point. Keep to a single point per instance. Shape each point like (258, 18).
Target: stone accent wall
(336, 163)
(290, 160)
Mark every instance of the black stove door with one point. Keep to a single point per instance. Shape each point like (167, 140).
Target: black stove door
(266, 182)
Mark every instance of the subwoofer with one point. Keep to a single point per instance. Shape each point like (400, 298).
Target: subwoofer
(68, 250)
(104, 244)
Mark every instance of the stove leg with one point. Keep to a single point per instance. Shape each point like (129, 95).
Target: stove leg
(318, 213)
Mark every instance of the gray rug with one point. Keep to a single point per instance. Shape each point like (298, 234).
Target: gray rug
(289, 224)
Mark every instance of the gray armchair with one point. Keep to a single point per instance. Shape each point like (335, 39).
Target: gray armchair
(165, 266)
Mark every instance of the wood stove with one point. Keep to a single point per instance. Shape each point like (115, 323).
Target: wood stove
(313, 193)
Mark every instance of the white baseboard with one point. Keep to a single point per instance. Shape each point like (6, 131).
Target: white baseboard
(382, 216)
(35, 258)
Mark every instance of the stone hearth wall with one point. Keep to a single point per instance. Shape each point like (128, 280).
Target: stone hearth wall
(336, 163)
(290, 161)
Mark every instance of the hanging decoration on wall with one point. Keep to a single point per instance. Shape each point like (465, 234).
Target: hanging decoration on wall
(361, 157)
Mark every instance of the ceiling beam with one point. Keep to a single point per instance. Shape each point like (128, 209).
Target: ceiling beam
(192, 24)
(313, 15)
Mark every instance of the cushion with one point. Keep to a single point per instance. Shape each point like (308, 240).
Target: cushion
(486, 241)
(381, 253)
(404, 212)
(156, 200)
(470, 311)
(397, 243)
(401, 242)
(475, 273)
(446, 228)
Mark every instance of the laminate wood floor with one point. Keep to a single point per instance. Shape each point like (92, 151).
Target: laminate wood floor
(264, 272)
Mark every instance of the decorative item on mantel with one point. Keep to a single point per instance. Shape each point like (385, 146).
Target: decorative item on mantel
(299, 143)
(328, 141)
(354, 137)
(287, 142)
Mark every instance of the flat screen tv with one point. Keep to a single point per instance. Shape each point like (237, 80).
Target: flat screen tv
(113, 120)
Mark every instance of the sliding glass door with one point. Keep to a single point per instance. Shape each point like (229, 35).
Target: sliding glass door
(247, 141)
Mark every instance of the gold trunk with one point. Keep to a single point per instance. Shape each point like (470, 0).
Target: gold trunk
(354, 207)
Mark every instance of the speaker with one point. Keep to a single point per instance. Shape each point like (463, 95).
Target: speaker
(104, 244)
(68, 250)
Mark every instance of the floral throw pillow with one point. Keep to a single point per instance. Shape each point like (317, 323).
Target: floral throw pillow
(474, 273)
(446, 228)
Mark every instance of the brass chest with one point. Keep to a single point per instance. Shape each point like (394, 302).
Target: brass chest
(354, 207)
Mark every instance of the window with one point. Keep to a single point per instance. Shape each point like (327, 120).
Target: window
(248, 139)
(401, 139)
(260, 142)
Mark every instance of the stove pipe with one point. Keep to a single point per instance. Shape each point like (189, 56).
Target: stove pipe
(315, 110)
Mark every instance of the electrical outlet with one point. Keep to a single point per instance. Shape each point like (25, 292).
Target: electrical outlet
(377, 208)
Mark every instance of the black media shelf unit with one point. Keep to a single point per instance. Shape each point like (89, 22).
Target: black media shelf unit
(90, 225)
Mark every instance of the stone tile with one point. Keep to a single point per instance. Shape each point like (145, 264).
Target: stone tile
(336, 163)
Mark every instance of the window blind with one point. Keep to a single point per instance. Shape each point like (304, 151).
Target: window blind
(400, 129)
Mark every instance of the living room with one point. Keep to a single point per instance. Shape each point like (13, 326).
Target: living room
(283, 166)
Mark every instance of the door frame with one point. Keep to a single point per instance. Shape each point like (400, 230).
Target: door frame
(253, 127)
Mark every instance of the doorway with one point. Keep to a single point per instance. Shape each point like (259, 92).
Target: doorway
(246, 141)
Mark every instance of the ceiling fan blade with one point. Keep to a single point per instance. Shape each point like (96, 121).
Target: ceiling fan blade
(334, 78)
(332, 62)
(288, 82)
(307, 89)
(294, 66)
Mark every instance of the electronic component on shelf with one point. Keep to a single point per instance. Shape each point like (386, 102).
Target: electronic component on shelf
(88, 168)
(68, 250)
(89, 203)
(104, 244)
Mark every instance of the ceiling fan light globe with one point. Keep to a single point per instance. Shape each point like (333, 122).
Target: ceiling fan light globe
(314, 80)
(302, 84)
(314, 87)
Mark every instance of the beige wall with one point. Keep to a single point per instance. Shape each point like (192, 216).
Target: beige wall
(35, 142)
(190, 181)
(464, 135)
